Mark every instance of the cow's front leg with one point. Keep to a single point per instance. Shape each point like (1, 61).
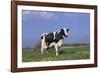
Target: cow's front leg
(56, 49)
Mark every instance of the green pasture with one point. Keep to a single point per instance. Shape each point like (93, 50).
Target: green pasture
(74, 53)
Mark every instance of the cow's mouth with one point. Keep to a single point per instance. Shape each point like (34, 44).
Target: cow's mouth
(66, 35)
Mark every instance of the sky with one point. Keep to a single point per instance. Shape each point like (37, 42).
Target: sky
(34, 23)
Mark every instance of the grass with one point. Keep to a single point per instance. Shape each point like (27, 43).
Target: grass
(76, 53)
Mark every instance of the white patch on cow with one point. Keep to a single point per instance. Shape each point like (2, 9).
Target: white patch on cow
(52, 44)
(54, 35)
(43, 44)
(59, 43)
(65, 31)
(44, 34)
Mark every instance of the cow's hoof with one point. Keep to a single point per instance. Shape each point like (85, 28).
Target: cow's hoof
(56, 54)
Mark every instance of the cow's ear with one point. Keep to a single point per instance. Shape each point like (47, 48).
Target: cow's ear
(67, 29)
(61, 29)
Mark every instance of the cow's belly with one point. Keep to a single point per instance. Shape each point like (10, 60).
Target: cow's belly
(52, 44)
(59, 43)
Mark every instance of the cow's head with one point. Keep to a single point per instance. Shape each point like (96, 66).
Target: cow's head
(64, 32)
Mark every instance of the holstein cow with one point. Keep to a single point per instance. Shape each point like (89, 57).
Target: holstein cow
(53, 39)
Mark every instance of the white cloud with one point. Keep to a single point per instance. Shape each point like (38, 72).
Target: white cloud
(74, 14)
(86, 33)
(48, 15)
(26, 12)
(70, 15)
(41, 14)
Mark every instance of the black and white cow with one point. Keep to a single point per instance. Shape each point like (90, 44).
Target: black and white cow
(53, 39)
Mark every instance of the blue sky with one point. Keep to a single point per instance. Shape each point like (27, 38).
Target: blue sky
(34, 23)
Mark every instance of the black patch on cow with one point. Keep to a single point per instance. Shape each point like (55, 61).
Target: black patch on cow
(63, 32)
(49, 38)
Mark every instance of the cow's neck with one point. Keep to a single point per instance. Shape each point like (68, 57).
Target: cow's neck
(58, 36)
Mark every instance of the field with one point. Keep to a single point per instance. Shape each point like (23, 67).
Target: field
(65, 53)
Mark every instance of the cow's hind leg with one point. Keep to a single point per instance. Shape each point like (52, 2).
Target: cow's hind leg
(42, 46)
